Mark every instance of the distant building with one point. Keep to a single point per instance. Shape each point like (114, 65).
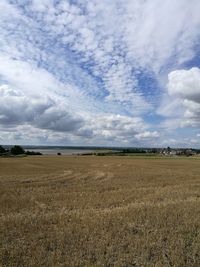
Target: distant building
(178, 152)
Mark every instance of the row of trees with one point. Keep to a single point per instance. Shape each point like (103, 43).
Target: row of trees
(16, 150)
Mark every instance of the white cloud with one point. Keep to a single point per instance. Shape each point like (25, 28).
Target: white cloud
(147, 135)
(184, 87)
(27, 77)
(125, 36)
(185, 84)
(181, 107)
(17, 108)
(48, 119)
(117, 127)
(37, 82)
(146, 30)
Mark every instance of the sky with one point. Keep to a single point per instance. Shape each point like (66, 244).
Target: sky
(100, 73)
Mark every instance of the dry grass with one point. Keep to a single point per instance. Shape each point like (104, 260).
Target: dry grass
(99, 211)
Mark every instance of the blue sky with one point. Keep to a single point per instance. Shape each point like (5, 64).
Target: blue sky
(111, 73)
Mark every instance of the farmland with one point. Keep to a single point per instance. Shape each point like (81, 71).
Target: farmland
(99, 211)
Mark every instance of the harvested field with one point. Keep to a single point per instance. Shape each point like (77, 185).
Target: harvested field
(99, 211)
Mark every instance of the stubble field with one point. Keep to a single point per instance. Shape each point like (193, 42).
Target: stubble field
(99, 211)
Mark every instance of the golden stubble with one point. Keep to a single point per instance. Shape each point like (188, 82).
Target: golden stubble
(99, 211)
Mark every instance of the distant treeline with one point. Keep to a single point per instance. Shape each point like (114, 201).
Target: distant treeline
(134, 150)
(16, 150)
(122, 152)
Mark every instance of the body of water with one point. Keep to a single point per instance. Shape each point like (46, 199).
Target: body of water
(63, 151)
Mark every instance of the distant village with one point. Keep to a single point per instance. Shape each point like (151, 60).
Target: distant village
(169, 151)
(179, 152)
